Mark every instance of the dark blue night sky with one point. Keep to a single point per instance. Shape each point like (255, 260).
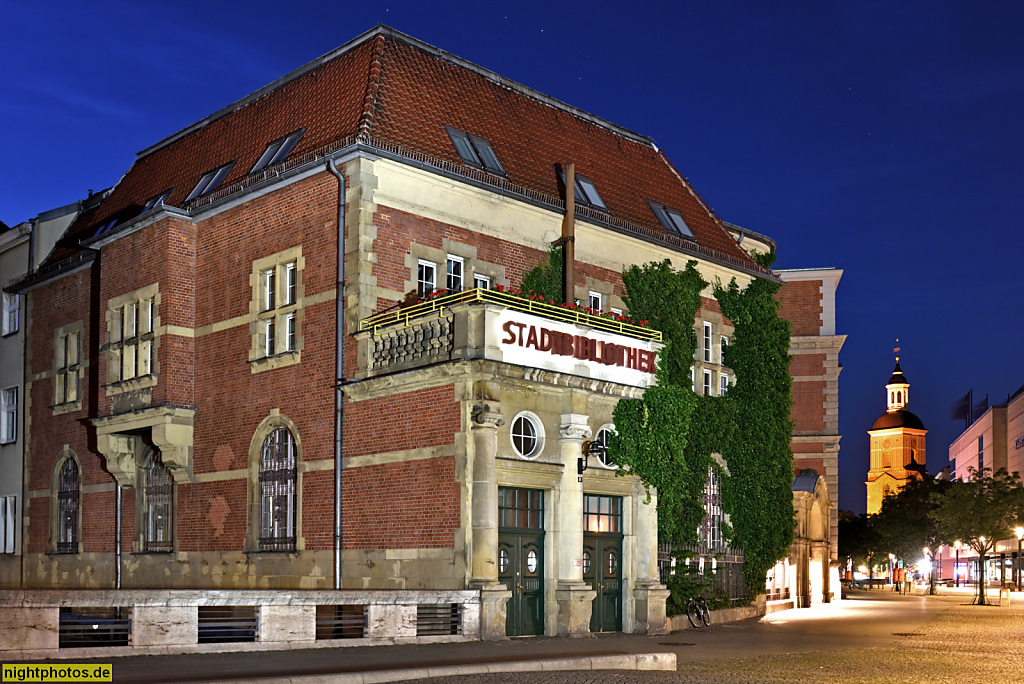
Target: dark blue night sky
(882, 138)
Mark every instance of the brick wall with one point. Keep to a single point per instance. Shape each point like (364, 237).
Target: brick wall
(800, 304)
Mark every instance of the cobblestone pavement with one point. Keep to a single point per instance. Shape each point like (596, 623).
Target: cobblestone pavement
(962, 644)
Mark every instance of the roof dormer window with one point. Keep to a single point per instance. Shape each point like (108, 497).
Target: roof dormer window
(475, 152)
(671, 220)
(278, 150)
(157, 200)
(210, 181)
(586, 192)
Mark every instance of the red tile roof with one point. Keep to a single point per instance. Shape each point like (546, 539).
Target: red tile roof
(389, 88)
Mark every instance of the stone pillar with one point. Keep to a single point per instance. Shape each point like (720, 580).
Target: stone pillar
(575, 598)
(650, 596)
(493, 596)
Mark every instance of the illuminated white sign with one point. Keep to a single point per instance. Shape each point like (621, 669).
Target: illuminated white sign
(528, 340)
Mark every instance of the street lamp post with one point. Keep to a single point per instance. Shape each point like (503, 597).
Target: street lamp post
(956, 568)
(1020, 534)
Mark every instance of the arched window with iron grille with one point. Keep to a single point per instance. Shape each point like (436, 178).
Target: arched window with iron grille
(277, 488)
(159, 496)
(67, 507)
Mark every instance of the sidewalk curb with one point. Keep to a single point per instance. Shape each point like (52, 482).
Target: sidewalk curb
(632, 661)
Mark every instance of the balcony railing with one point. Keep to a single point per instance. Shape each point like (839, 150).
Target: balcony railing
(537, 308)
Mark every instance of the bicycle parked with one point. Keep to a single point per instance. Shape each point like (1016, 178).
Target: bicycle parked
(697, 612)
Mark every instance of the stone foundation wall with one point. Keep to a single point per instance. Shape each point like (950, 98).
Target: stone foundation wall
(168, 622)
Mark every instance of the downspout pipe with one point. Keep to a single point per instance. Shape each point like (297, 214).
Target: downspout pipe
(117, 542)
(339, 369)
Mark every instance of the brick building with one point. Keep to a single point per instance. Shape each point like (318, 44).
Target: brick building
(238, 378)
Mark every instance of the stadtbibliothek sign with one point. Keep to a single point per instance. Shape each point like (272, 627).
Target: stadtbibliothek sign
(528, 340)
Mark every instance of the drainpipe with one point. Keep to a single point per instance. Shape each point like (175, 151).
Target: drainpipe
(339, 369)
(117, 542)
(569, 236)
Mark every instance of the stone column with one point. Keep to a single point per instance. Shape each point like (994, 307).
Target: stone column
(650, 596)
(575, 599)
(493, 596)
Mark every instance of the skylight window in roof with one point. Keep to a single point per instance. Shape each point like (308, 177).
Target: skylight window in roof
(157, 200)
(475, 152)
(586, 192)
(210, 181)
(671, 220)
(278, 150)
(106, 226)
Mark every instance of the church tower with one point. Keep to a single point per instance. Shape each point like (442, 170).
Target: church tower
(897, 443)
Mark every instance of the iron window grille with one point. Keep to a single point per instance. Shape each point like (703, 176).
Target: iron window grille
(475, 152)
(710, 532)
(277, 480)
(347, 621)
(221, 624)
(159, 497)
(438, 619)
(82, 627)
(67, 507)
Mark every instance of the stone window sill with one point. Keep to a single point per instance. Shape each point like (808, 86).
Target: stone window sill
(132, 385)
(266, 363)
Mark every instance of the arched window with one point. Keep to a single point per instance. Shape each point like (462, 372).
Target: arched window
(277, 500)
(67, 507)
(158, 498)
(899, 397)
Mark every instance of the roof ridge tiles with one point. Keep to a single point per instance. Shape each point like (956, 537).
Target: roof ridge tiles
(366, 118)
(381, 32)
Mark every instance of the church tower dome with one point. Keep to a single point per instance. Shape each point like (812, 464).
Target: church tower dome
(897, 443)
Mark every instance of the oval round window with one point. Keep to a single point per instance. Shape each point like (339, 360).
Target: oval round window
(586, 562)
(602, 454)
(613, 564)
(524, 436)
(531, 561)
(503, 561)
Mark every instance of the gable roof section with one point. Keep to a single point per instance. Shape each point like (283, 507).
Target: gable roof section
(389, 88)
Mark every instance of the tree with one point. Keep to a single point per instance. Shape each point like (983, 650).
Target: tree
(858, 539)
(905, 523)
(980, 511)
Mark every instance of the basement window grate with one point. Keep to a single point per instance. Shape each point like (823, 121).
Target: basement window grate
(438, 619)
(91, 627)
(220, 624)
(340, 622)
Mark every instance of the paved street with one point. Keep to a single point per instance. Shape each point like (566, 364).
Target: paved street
(878, 637)
(875, 636)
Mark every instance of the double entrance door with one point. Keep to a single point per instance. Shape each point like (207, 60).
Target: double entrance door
(602, 570)
(521, 558)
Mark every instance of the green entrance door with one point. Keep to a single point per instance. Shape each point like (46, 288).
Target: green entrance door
(602, 560)
(521, 558)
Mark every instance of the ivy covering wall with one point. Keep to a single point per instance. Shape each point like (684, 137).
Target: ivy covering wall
(669, 436)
